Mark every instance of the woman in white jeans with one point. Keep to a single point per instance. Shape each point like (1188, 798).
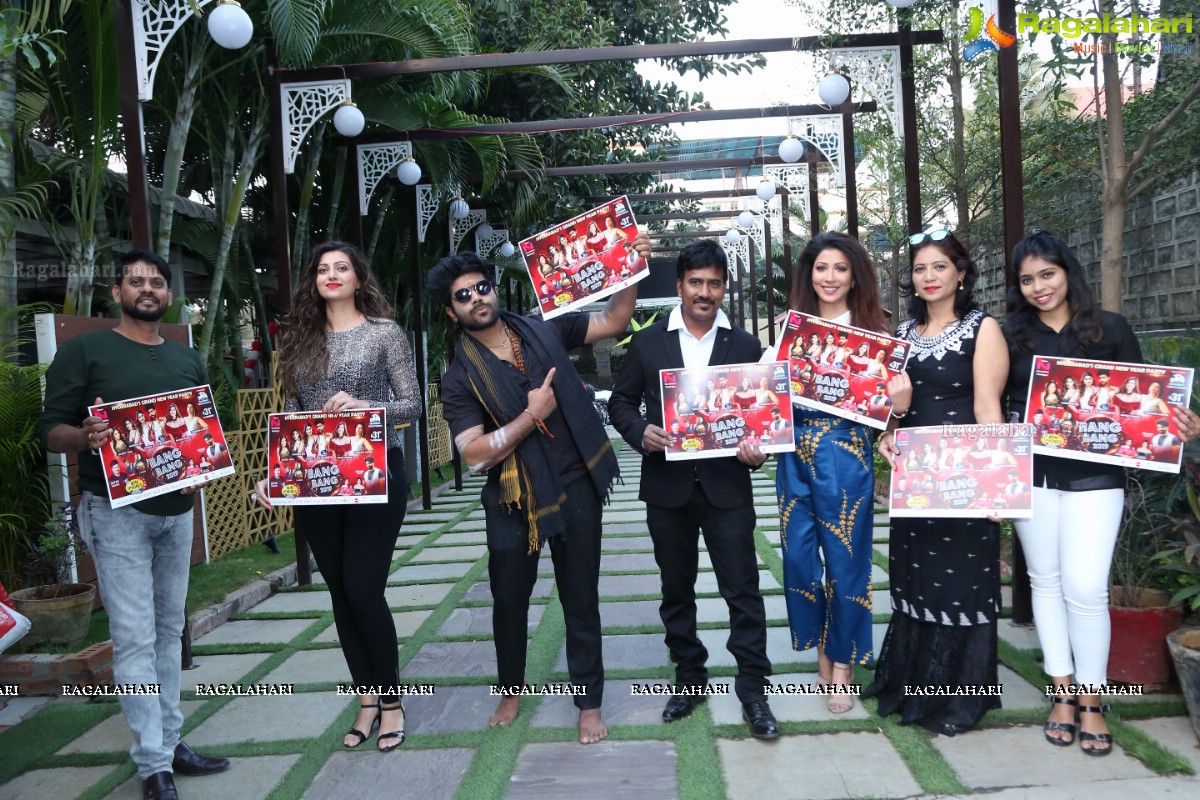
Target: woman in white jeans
(1077, 505)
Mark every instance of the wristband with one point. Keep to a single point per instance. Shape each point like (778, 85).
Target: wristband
(901, 414)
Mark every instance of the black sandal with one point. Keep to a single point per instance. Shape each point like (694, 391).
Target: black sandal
(1061, 726)
(362, 737)
(1103, 738)
(394, 734)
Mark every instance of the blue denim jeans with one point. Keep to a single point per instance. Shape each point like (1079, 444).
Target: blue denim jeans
(142, 567)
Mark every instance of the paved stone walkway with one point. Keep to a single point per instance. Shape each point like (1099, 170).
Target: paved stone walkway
(289, 747)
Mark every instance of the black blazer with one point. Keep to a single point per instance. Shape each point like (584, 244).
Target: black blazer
(668, 484)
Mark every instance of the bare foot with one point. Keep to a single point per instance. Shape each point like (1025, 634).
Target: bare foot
(591, 728)
(505, 712)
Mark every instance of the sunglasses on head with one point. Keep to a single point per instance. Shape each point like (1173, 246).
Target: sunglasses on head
(483, 289)
(933, 236)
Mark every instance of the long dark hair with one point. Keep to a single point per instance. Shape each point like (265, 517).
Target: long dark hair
(866, 310)
(964, 300)
(1083, 329)
(302, 354)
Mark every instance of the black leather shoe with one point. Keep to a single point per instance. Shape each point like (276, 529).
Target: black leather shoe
(159, 786)
(681, 705)
(763, 724)
(188, 762)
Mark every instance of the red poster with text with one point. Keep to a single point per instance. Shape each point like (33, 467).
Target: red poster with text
(328, 459)
(708, 411)
(840, 369)
(1107, 411)
(963, 471)
(162, 443)
(584, 259)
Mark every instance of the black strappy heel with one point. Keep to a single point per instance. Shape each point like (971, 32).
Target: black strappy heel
(362, 737)
(394, 734)
(1061, 726)
(1103, 738)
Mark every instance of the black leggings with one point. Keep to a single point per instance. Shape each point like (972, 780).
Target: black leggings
(353, 546)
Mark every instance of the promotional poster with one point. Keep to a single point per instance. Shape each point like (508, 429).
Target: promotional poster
(840, 369)
(584, 259)
(1107, 411)
(162, 443)
(319, 458)
(963, 471)
(708, 411)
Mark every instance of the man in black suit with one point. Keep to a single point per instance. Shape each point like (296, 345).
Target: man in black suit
(684, 497)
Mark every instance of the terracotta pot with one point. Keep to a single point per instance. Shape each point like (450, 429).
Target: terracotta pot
(1185, 651)
(60, 621)
(1138, 653)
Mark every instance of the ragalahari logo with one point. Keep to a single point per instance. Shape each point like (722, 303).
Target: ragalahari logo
(995, 38)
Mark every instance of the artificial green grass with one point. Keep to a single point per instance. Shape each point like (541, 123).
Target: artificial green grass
(209, 583)
(31, 744)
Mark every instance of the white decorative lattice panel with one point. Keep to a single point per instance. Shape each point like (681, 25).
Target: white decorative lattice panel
(428, 200)
(154, 23)
(303, 104)
(824, 132)
(375, 161)
(877, 71)
(459, 228)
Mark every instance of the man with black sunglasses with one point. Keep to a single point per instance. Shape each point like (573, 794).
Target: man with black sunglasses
(517, 409)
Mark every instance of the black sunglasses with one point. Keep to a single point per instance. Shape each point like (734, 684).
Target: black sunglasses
(936, 236)
(483, 289)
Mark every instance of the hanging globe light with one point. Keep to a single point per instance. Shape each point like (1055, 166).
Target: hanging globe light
(409, 172)
(732, 236)
(791, 149)
(833, 89)
(901, 3)
(507, 249)
(745, 219)
(485, 231)
(230, 26)
(765, 189)
(348, 120)
(459, 209)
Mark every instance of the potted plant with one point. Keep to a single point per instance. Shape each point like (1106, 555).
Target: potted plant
(60, 611)
(1140, 606)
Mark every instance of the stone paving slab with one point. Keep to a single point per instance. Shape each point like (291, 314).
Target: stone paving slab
(14, 709)
(478, 621)
(772, 535)
(626, 651)
(59, 782)
(247, 778)
(467, 659)
(629, 612)
(422, 774)
(113, 734)
(1175, 734)
(625, 770)
(430, 572)
(473, 523)
(430, 516)
(884, 548)
(627, 562)
(450, 709)
(311, 666)
(270, 631)
(727, 709)
(457, 537)
(825, 766)
(612, 517)
(249, 719)
(974, 757)
(779, 648)
(287, 602)
(626, 527)
(455, 553)
(610, 543)
(621, 707)
(406, 623)
(1176, 788)
(481, 591)
(705, 561)
(623, 585)
(429, 594)
(706, 582)
(713, 609)
(411, 527)
(220, 669)
(405, 541)
(1019, 693)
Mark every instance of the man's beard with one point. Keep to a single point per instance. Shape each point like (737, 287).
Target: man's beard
(469, 323)
(144, 316)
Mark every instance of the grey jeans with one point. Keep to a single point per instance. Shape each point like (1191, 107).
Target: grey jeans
(142, 567)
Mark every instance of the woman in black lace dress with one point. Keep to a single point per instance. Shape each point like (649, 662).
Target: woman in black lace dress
(944, 573)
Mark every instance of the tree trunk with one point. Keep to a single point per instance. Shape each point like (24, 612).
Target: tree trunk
(300, 240)
(181, 123)
(1113, 200)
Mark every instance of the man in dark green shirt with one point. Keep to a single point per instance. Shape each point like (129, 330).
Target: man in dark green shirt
(141, 551)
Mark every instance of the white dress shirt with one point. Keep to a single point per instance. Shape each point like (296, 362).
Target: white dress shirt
(696, 352)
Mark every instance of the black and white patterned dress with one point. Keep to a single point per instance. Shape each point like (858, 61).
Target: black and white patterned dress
(944, 573)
